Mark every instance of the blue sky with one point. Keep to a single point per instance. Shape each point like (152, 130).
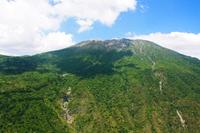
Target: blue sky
(150, 16)
(29, 27)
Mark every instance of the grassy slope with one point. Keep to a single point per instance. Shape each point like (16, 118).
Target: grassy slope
(111, 91)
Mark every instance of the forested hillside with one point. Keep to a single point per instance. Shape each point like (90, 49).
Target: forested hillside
(119, 86)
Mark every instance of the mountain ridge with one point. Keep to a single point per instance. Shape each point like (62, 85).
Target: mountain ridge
(102, 86)
(87, 42)
(141, 48)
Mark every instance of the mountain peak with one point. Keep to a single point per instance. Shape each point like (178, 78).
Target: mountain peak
(139, 46)
(134, 84)
(113, 43)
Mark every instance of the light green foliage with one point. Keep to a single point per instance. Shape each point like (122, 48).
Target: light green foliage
(114, 88)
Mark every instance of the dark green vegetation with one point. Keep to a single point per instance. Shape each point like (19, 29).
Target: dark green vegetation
(116, 86)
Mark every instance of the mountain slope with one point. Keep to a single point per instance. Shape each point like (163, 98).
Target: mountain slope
(101, 86)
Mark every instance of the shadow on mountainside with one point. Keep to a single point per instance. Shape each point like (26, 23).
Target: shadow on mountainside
(83, 62)
(89, 62)
(17, 65)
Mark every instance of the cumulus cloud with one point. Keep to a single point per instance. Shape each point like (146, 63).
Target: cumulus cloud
(57, 40)
(185, 43)
(84, 25)
(32, 26)
(37, 43)
(105, 11)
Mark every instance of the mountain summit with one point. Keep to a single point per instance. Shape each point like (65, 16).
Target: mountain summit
(101, 86)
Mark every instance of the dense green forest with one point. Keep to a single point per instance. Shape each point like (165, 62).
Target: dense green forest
(114, 86)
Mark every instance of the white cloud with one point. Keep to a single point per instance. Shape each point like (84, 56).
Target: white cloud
(38, 43)
(55, 40)
(105, 11)
(185, 43)
(84, 25)
(27, 25)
